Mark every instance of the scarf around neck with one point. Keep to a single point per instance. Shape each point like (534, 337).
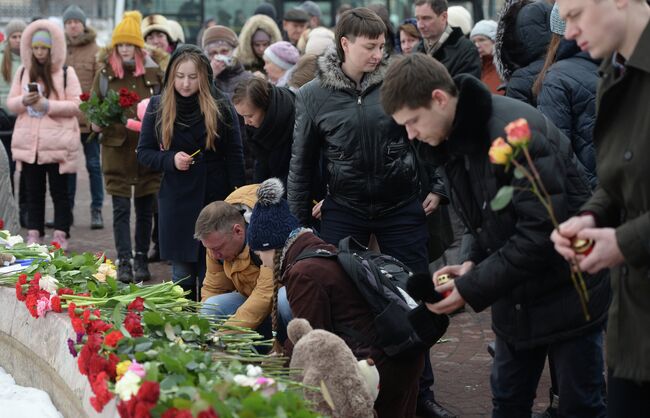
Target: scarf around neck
(188, 110)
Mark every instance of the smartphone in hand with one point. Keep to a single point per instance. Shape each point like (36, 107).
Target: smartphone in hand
(32, 87)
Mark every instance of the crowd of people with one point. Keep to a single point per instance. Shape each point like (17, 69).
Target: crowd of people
(288, 137)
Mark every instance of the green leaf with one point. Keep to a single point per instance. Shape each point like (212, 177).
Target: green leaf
(78, 260)
(112, 283)
(171, 381)
(518, 173)
(503, 197)
(153, 319)
(118, 316)
(143, 345)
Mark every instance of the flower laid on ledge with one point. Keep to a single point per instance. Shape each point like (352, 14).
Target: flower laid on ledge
(147, 348)
(507, 153)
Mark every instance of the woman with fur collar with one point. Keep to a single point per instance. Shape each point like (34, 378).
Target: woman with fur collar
(46, 140)
(127, 64)
(258, 33)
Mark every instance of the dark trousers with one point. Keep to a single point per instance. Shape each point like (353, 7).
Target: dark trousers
(122, 224)
(93, 165)
(579, 369)
(35, 177)
(402, 234)
(398, 390)
(627, 398)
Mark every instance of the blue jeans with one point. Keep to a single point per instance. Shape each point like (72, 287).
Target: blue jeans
(93, 165)
(222, 306)
(579, 368)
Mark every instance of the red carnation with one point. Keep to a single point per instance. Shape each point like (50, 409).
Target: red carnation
(30, 301)
(85, 96)
(71, 310)
(97, 326)
(208, 413)
(78, 326)
(136, 305)
(56, 245)
(113, 338)
(133, 325)
(177, 413)
(65, 291)
(19, 292)
(56, 304)
(2, 223)
(100, 389)
(111, 369)
(123, 91)
(139, 406)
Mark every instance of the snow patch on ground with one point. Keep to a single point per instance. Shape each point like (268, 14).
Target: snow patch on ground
(23, 402)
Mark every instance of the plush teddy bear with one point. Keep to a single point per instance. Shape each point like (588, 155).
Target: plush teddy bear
(325, 361)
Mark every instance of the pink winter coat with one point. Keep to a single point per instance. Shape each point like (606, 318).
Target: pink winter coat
(55, 137)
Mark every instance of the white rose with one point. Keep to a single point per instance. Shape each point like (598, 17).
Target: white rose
(128, 385)
(48, 283)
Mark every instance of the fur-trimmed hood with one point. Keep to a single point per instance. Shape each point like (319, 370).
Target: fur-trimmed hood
(58, 52)
(331, 74)
(523, 35)
(245, 53)
(89, 36)
(154, 57)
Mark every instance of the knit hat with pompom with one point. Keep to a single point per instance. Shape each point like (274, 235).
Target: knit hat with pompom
(271, 222)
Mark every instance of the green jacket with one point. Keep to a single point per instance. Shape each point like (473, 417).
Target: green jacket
(6, 85)
(622, 201)
(119, 163)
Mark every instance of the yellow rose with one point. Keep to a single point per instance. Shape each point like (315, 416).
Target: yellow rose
(518, 132)
(122, 367)
(500, 152)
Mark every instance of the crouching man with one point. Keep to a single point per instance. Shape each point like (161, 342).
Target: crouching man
(236, 284)
(511, 265)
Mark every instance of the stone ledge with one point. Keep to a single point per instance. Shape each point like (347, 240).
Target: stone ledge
(35, 352)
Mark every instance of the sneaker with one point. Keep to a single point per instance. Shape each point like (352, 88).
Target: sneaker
(141, 267)
(124, 270)
(33, 237)
(60, 238)
(96, 220)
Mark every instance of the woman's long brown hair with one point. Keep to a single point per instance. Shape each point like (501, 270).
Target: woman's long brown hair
(277, 258)
(7, 63)
(209, 107)
(43, 72)
(551, 58)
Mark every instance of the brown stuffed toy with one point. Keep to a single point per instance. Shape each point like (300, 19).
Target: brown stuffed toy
(348, 388)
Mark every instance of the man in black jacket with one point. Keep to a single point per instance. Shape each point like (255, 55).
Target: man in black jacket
(374, 181)
(511, 265)
(445, 43)
(372, 172)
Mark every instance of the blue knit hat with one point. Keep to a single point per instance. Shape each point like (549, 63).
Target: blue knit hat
(271, 222)
(558, 26)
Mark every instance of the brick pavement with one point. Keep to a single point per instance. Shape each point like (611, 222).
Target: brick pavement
(461, 364)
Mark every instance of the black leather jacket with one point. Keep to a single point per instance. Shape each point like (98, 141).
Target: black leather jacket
(370, 164)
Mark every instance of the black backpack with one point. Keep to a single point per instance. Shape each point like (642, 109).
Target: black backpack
(377, 277)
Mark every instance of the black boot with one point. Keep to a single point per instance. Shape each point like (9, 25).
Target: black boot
(124, 270)
(141, 268)
(96, 220)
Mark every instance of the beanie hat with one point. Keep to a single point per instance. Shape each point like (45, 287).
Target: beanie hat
(282, 54)
(74, 12)
(296, 15)
(459, 16)
(158, 23)
(177, 33)
(310, 7)
(15, 25)
(558, 26)
(318, 40)
(271, 222)
(219, 33)
(266, 9)
(128, 30)
(260, 35)
(42, 38)
(487, 28)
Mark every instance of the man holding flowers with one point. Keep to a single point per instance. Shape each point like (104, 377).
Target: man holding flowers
(510, 263)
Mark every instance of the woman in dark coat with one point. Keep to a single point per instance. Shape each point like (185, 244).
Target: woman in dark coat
(566, 94)
(522, 39)
(190, 133)
(268, 112)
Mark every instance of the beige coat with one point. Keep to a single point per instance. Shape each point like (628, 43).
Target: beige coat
(81, 56)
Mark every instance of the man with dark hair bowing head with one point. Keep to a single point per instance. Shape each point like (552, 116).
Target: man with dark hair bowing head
(511, 265)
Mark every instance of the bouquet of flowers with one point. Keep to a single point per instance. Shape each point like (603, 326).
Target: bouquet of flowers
(110, 109)
(507, 152)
